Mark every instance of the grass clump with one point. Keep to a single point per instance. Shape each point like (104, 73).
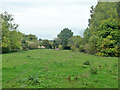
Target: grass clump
(94, 71)
(87, 63)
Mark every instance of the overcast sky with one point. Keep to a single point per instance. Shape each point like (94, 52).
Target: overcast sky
(46, 18)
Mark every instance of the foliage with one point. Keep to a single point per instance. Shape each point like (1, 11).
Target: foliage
(107, 47)
(87, 48)
(47, 44)
(92, 44)
(64, 35)
(31, 37)
(10, 35)
(74, 42)
(60, 47)
(102, 35)
(40, 42)
(109, 38)
(86, 35)
(12, 39)
(73, 48)
(81, 48)
(33, 44)
(24, 45)
(56, 43)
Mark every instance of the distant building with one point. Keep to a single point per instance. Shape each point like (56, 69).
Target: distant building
(42, 47)
(38, 46)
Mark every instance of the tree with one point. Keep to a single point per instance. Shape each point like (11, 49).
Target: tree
(0, 35)
(15, 39)
(47, 44)
(102, 35)
(109, 27)
(33, 44)
(40, 42)
(10, 36)
(92, 44)
(31, 37)
(64, 35)
(86, 35)
(24, 45)
(12, 39)
(74, 42)
(56, 43)
(107, 47)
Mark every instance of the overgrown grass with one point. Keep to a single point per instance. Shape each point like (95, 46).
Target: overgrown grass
(43, 68)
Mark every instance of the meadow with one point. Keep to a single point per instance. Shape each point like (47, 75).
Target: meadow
(48, 68)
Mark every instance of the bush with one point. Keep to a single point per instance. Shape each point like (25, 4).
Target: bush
(46, 43)
(107, 47)
(33, 45)
(87, 63)
(81, 48)
(99, 53)
(73, 48)
(60, 47)
(87, 48)
(24, 45)
(92, 44)
(93, 70)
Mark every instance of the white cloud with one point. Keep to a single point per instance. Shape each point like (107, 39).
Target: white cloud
(50, 1)
(46, 18)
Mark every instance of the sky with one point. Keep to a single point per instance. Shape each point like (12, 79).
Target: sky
(46, 18)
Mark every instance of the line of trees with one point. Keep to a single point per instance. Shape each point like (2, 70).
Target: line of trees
(12, 39)
(101, 37)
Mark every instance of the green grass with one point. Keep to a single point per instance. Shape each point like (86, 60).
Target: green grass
(0, 72)
(43, 68)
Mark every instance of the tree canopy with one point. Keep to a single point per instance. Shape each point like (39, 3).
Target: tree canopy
(102, 35)
(12, 39)
(64, 35)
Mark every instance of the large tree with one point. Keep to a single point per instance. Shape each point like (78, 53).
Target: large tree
(64, 36)
(10, 36)
(102, 35)
(31, 37)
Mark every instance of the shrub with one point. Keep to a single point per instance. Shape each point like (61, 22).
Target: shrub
(24, 45)
(73, 48)
(87, 48)
(87, 63)
(93, 70)
(81, 48)
(60, 47)
(33, 45)
(107, 47)
(99, 54)
(46, 43)
(92, 44)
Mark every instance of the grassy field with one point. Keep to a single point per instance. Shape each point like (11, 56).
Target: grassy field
(43, 68)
